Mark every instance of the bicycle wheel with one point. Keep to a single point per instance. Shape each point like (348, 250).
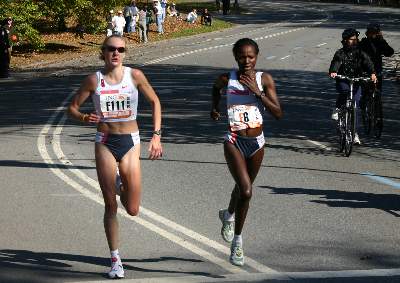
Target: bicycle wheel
(366, 113)
(349, 130)
(341, 128)
(378, 117)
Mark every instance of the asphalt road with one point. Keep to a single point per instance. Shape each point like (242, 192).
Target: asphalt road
(315, 215)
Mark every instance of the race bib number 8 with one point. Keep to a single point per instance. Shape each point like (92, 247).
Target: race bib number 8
(244, 116)
(115, 105)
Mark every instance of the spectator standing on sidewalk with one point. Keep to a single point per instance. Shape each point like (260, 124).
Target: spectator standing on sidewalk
(134, 18)
(5, 47)
(119, 24)
(128, 18)
(149, 19)
(164, 4)
(142, 25)
(110, 25)
(158, 11)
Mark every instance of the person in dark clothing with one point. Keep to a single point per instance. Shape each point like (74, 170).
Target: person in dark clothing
(149, 19)
(218, 5)
(226, 6)
(350, 61)
(206, 18)
(5, 48)
(376, 47)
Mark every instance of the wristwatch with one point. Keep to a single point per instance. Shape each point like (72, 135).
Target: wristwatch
(158, 132)
(261, 95)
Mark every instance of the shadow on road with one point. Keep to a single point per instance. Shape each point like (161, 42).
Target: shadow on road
(33, 164)
(27, 265)
(307, 99)
(335, 198)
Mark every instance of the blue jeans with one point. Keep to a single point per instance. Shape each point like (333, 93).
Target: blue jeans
(164, 14)
(160, 24)
(127, 24)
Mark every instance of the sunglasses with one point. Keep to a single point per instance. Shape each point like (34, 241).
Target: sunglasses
(113, 49)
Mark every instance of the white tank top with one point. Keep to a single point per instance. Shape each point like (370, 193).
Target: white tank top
(118, 102)
(244, 108)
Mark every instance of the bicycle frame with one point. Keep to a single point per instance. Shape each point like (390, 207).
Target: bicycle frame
(347, 117)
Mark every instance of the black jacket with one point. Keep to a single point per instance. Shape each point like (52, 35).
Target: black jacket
(351, 63)
(4, 41)
(375, 50)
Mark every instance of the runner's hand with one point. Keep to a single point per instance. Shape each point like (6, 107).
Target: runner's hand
(155, 148)
(333, 75)
(93, 118)
(249, 80)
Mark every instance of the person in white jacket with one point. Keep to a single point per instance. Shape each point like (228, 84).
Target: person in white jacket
(192, 16)
(119, 24)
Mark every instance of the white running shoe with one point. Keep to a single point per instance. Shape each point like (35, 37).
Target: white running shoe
(118, 184)
(237, 257)
(335, 114)
(357, 139)
(228, 229)
(117, 270)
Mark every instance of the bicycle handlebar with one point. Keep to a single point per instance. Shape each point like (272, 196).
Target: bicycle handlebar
(365, 79)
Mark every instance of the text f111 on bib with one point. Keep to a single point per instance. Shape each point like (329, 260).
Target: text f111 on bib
(244, 116)
(115, 106)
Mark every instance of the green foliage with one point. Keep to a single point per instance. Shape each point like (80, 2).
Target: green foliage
(23, 13)
(30, 16)
(88, 14)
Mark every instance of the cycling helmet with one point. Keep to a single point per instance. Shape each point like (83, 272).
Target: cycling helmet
(347, 33)
(374, 27)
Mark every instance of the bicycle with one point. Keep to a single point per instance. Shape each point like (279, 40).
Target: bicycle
(347, 116)
(372, 112)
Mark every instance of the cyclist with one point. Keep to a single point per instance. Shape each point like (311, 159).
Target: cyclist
(115, 94)
(350, 61)
(248, 94)
(376, 47)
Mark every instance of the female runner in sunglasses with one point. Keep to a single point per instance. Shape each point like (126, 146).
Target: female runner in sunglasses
(114, 91)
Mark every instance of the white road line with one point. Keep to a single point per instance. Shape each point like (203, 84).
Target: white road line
(270, 57)
(320, 145)
(324, 147)
(297, 47)
(322, 44)
(287, 56)
(41, 143)
(158, 60)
